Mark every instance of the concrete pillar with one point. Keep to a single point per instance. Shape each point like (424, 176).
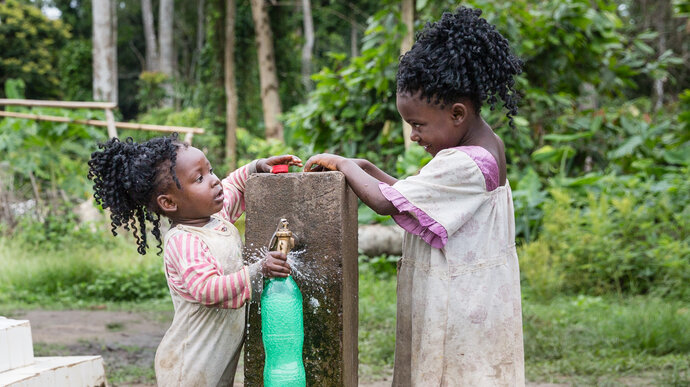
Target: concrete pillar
(322, 212)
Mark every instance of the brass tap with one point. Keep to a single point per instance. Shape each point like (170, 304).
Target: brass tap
(282, 239)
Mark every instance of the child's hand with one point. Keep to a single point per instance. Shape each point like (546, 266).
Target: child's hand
(275, 264)
(323, 162)
(264, 165)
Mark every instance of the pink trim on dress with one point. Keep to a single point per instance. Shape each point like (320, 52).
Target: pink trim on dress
(424, 226)
(486, 163)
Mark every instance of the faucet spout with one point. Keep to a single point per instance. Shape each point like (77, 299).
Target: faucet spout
(282, 239)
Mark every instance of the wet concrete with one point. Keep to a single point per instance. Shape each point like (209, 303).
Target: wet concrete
(322, 212)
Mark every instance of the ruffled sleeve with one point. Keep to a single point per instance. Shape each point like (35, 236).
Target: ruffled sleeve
(435, 203)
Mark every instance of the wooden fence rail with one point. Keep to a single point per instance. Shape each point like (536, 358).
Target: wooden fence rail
(108, 107)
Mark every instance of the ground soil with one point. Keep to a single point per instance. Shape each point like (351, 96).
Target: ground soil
(124, 339)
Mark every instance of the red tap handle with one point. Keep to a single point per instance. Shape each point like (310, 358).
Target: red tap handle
(280, 168)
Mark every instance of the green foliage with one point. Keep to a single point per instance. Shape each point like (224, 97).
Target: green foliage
(29, 48)
(209, 142)
(352, 108)
(625, 235)
(150, 93)
(56, 231)
(74, 70)
(251, 147)
(384, 266)
(54, 153)
(626, 138)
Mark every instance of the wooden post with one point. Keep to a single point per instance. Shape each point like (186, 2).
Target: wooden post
(110, 119)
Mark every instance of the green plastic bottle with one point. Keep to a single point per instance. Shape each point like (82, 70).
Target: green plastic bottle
(282, 330)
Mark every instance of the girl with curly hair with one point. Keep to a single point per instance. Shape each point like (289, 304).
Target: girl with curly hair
(459, 319)
(208, 282)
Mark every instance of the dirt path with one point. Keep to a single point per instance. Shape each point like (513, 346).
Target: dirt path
(125, 340)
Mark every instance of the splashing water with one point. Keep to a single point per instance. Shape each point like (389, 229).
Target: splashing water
(302, 271)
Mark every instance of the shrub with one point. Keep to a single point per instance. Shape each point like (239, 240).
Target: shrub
(629, 236)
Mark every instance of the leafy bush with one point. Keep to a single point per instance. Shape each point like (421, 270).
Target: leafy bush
(74, 69)
(628, 235)
(151, 93)
(29, 48)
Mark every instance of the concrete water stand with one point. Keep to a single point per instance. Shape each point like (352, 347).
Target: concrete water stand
(322, 213)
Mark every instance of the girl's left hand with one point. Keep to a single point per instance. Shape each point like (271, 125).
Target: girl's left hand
(264, 165)
(323, 161)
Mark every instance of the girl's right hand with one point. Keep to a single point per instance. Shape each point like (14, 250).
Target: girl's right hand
(275, 264)
(323, 161)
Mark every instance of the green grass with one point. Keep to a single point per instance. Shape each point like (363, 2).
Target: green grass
(607, 340)
(79, 276)
(376, 324)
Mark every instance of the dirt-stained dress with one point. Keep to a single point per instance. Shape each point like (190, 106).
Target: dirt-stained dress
(459, 319)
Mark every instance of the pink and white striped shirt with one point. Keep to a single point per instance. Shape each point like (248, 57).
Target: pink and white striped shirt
(194, 273)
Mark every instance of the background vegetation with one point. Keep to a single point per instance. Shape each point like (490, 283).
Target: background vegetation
(598, 162)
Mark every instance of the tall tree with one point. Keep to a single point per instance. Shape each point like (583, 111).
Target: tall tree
(308, 48)
(104, 50)
(152, 63)
(165, 39)
(230, 85)
(407, 14)
(200, 29)
(270, 100)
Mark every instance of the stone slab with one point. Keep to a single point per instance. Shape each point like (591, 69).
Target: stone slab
(16, 346)
(64, 371)
(322, 212)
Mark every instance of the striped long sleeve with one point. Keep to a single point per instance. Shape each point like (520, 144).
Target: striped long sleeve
(196, 275)
(233, 189)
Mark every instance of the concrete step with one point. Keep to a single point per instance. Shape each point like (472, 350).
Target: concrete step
(64, 371)
(16, 347)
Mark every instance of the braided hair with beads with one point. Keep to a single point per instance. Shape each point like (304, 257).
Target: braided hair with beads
(461, 56)
(128, 176)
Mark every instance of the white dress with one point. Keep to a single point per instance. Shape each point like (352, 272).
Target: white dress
(459, 319)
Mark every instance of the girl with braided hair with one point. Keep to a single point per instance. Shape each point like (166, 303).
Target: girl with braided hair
(459, 319)
(208, 282)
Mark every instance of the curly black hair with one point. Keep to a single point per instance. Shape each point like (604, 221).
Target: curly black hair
(128, 176)
(461, 56)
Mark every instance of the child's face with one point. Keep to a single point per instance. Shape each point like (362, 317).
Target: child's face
(202, 193)
(433, 127)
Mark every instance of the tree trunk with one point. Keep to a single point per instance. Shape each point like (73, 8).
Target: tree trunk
(308, 47)
(270, 100)
(200, 33)
(407, 14)
(230, 86)
(149, 36)
(354, 40)
(663, 12)
(104, 50)
(165, 39)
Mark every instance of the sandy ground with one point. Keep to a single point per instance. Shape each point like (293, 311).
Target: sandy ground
(123, 339)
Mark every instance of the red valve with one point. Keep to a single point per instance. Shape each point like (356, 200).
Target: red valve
(281, 168)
